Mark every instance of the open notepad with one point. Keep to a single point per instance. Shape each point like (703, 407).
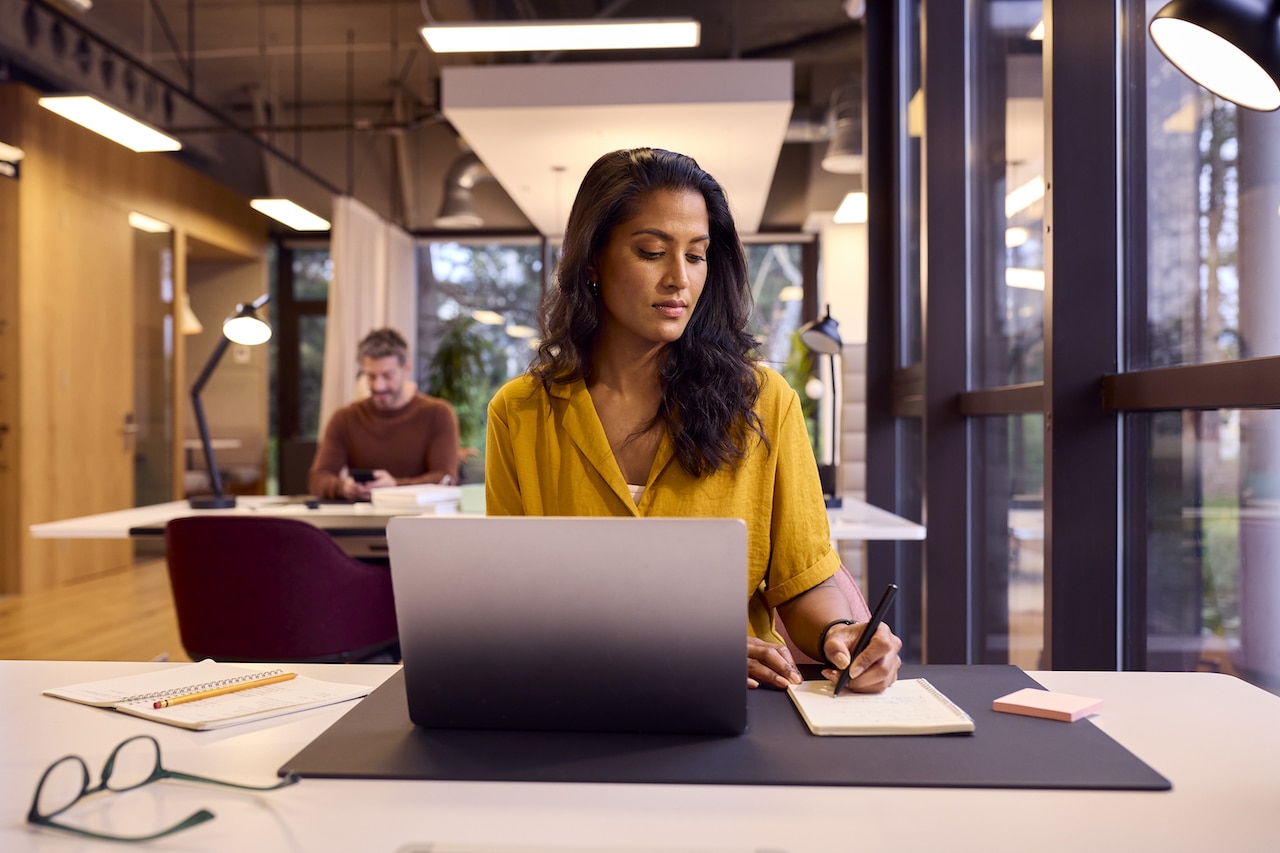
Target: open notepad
(911, 706)
(137, 694)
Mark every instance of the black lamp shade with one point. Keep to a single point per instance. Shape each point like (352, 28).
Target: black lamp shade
(1230, 47)
(822, 336)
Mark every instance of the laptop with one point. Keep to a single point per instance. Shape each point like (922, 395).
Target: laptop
(583, 624)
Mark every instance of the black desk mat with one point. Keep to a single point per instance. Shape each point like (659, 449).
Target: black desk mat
(375, 740)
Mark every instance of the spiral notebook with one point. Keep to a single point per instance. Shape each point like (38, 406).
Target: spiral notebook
(911, 706)
(137, 694)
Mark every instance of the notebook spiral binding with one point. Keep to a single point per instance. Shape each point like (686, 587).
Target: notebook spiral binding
(952, 706)
(196, 688)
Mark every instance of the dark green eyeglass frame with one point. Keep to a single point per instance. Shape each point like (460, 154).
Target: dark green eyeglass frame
(157, 773)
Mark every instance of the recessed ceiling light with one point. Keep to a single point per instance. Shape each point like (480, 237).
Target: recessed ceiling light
(1025, 279)
(290, 213)
(852, 210)
(93, 114)
(145, 223)
(491, 36)
(1015, 237)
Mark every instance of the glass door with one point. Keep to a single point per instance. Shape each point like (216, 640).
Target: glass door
(153, 331)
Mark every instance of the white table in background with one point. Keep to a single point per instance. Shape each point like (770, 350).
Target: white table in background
(1214, 737)
(857, 519)
(361, 528)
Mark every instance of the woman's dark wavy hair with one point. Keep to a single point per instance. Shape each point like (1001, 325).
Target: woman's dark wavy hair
(709, 377)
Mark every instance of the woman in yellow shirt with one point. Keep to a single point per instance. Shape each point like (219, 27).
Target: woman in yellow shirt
(645, 400)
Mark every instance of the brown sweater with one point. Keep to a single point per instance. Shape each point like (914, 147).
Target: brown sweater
(417, 443)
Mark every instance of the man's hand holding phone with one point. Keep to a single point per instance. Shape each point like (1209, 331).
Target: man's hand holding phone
(359, 482)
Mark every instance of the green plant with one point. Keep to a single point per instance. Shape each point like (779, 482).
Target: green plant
(459, 373)
(797, 371)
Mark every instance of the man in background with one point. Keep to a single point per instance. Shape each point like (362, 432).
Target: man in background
(393, 437)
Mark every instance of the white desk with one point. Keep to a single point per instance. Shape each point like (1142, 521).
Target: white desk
(1216, 738)
(857, 519)
(117, 524)
(361, 529)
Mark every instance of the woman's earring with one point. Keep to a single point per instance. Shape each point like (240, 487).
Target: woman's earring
(595, 287)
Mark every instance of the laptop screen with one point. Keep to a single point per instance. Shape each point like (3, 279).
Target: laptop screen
(572, 624)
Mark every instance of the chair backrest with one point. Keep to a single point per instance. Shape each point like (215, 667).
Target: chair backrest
(857, 603)
(274, 589)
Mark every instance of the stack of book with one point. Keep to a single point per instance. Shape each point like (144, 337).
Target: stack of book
(430, 498)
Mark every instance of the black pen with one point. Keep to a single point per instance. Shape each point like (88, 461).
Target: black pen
(864, 639)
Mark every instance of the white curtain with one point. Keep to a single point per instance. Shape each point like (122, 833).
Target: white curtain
(374, 285)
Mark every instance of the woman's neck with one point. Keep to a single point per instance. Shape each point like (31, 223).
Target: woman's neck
(627, 370)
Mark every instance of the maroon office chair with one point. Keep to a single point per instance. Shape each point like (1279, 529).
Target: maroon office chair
(276, 589)
(857, 603)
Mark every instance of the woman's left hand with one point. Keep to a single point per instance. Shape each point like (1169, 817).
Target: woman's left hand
(875, 669)
(770, 664)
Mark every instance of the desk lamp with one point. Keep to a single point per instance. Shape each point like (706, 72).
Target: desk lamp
(823, 337)
(1230, 47)
(243, 327)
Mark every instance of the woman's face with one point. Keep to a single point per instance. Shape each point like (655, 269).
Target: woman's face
(652, 270)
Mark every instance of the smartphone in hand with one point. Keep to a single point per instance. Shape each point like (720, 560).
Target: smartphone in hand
(362, 475)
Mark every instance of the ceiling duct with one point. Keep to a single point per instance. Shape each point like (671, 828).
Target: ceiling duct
(844, 151)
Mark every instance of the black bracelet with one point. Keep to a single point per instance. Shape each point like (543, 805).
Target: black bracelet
(822, 638)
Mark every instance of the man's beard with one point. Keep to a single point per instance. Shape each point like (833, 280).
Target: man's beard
(387, 400)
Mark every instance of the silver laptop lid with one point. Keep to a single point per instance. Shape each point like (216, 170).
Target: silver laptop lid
(573, 624)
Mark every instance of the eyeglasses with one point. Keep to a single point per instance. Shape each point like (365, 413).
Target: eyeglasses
(132, 764)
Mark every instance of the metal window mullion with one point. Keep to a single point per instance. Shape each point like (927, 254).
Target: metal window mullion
(953, 615)
(1083, 262)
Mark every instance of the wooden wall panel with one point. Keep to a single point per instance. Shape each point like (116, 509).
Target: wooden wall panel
(75, 316)
(75, 337)
(10, 531)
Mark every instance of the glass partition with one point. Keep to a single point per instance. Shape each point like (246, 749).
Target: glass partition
(153, 342)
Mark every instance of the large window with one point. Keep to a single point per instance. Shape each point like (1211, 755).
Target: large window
(776, 273)
(1100, 356)
(1009, 195)
(1212, 472)
(300, 294)
(477, 325)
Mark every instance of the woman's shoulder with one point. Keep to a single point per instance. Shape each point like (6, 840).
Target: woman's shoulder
(520, 392)
(775, 392)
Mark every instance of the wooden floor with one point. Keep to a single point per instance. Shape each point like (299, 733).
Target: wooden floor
(125, 615)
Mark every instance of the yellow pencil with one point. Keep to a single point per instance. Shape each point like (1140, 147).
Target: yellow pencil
(218, 691)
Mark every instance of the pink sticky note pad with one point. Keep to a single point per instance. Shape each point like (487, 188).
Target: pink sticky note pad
(1043, 703)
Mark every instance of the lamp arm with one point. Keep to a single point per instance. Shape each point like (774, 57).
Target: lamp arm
(215, 479)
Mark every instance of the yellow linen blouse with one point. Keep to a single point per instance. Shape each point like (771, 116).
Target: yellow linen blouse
(546, 454)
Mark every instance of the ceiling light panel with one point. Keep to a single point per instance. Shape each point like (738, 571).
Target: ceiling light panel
(489, 37)
(89, 112)
(290, 213)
